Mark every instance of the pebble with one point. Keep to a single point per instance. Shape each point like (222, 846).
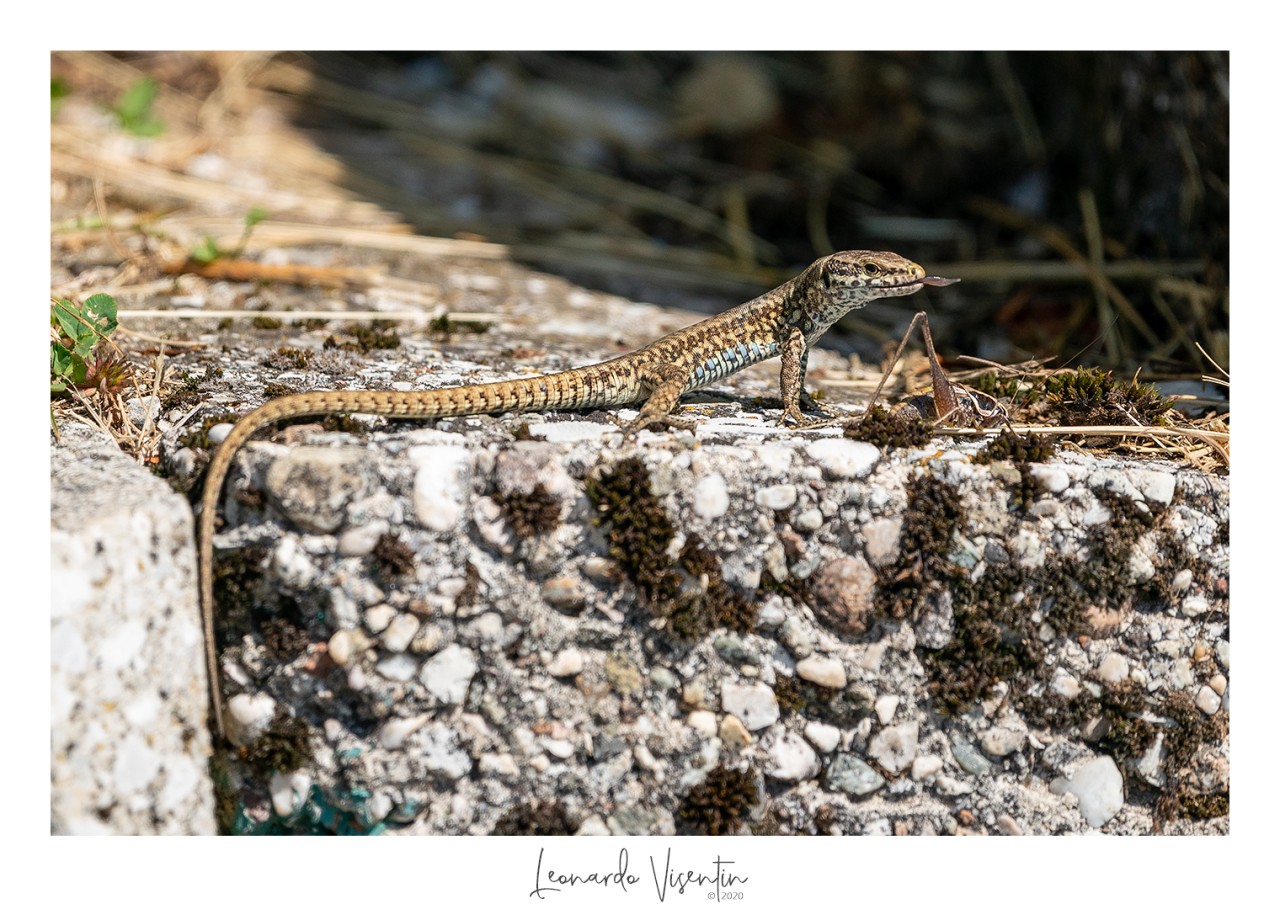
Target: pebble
(400, 632)
(567, 663)
(1050, 478)
(1008, 826)
(777, 498)
(1001, 742)
(843, 459)
(218, 433)
(1113, 668)
(1208, 701)
(594, 826)
(792, 759)
(1218, 683)
(442, 471)
(970, 760)
(936, 625)
(288, 791)
(895, 747)
(1180, 582)
(360, 541)
(1155, 485)
(853, 775)
(440, 753)
(1099, 787)
(559, 748)
(754, 704)
(448, 673)
(703, 722)
(843, 590)
(395, 732)
(881, 539)
(291, 564)
(1194, 605)
(886, 706)
(733, 733)
(822, 736)
(142, 409)
(710, 497)
(342, 646)
(1065, 685)
(772, 612)
(808, 520)
(825, 672)
(377, 617)
(313, 486)
(398, 667)
(1148, 765)
(252, 713)
(564, 592)
(924, 766)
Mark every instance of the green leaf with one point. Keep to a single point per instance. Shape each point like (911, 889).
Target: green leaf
(134, 108)
(255, 216)
(100, 310)
(67, 318)
(206, 251)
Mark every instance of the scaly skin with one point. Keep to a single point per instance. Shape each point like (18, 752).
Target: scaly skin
(784, 322)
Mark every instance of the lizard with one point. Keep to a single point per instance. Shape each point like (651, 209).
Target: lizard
(783, 322)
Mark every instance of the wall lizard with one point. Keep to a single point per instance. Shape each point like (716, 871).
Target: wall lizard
(784, 322)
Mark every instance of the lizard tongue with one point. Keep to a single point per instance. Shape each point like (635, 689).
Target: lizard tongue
(936, 281)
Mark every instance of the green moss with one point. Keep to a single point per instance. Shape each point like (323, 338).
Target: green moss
(267, 322)
(720, 804)
(689, 592)
(275, 390)
(1021, 451)
(443, 325)
(934, 512)
(530, 513)
(541, 819)
(284, 747)
(884, 429)
(1089, 396)
(290, 358)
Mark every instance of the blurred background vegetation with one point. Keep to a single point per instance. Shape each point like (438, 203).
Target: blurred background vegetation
(1082, 196)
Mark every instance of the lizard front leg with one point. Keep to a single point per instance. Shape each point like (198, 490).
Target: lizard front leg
(668, 382)
(795, 360)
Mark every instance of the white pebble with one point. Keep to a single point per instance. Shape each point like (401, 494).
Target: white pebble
(341, 647)
(822, 736)
(808, 520)
(399, 667)
(895, 746)
(559, 748)
(501, 764)
(1050, 478)
(1001, 742)
(710, 497)
(776, 498)
(251, 714)
(438, 485)
(754, 704)
(360, 541)
(567, 663)
(395, 732)
(703, 722)
(1099, 787)
(594, 826)
(925, 766)
(400, 632)
(792, 759)
(1065, 685)
(448, 673)
(886, 707)
(1208, 701)
(1113, 668)
(842, 458)
(825, 672)
(1194, 605)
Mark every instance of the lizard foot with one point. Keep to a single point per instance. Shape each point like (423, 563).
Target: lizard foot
(666, 420)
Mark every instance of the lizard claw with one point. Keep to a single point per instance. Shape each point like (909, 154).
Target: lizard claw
(643, 421)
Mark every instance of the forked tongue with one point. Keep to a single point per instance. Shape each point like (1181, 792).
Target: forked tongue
(936, 281)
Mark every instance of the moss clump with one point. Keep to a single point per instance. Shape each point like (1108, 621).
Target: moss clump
(275, 390)
(393, 558)
(444, 325)
(934, 513)
(378, 333)
(1089, 396)
(543, 819)
(296, 359)
(884, 429)
(689, 592)
(283, 639)
(236, 576)
(282, 748)
(530, 513)
(267, 322)
(1021, 451)
(720, 804)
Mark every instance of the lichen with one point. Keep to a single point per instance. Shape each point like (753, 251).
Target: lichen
(720, 804)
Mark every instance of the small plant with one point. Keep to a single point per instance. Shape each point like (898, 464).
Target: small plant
(134, 109)
(208, 250)
(76, 333)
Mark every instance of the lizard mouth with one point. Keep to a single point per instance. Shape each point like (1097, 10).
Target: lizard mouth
(931, 280)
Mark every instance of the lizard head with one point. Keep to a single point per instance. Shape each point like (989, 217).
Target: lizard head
(845, 281)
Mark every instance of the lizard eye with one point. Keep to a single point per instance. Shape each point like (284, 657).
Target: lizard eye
(871, 268)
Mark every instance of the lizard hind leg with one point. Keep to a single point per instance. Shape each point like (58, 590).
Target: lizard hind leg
(668, 383)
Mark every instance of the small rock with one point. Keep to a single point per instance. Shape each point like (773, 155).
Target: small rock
(841, 458)
(143, 409)
(1050, 478)
(360, 541)
(733, 732)
(1113, 668)
(342, 646)
(1099, 787)
(895, 747)
(564, 592)
(970, 760)
(250, 715)
(936, 622)
(925, 766)
(1065, 685)
(400, 632)
(710, 497)
(439, 484)
(395, 732)
(777, 498)
(1218, 683)
(398, 667)
(808, 520)
(703, 722)
(754, 704)
(1208, 701)
(843, 590)
(852, 775)
(448, 673)
(886, 706)
(881, 540)
(792, 759)
(825, 672)
(378, 617)
(567, 663)
(1001, 742)
(823, 737)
